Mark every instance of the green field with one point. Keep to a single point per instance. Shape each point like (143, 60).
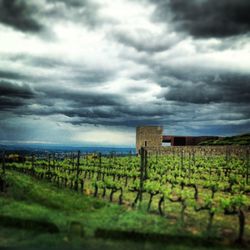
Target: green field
(179, 200)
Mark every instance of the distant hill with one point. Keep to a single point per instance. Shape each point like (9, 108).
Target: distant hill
(243, 139)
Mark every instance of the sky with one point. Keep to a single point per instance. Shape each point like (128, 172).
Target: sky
(88, 72)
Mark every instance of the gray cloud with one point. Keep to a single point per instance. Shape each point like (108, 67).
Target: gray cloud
(206, 18)
(13, 96)
(84, 106)
(193, 82)
(15, 90)
(80, 98)
(77, 11)
(33, 17)
(20, 15)
(144, 41)
(75, 102)
(193, 93)
(11, 75)
(76, 73)
(205, 87)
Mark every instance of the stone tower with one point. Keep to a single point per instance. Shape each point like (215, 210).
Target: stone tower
(148, 136)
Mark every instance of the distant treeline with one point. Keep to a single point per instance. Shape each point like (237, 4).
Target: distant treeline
(232, 140)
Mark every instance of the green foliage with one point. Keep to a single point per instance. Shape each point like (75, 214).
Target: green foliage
(212, 182)
(234, 202)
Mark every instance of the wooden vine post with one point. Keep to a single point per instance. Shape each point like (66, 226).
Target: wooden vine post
(72, 160)
(77, 170)
(49, 156)
(189, 165)
(2, 179)
(130, 157)
(100, 166)
(182, 158)
(54, 160)
(145, 165)
(98, 162)
(32, 163)
(142, 171)
(3, 163)
(247, 166)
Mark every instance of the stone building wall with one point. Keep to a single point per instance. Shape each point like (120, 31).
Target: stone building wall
(148, 136)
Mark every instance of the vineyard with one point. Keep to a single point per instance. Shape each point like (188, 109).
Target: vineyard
(208, 187)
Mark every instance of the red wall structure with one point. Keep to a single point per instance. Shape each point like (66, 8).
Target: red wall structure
(186, 140)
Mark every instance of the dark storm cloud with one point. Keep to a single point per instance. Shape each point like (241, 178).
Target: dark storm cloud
(82, 107)
(71, 3)
(198, 83)
(89, 107)
(178, 116)
(8, 103)
(132, 123)
(19, 14)
(206, 18)
(218, 88)
(79, 98)
(11, 75)
(152, 110)
(13, 96)
(77, 73)
(15, 90)
(122, 114)
(57, 101)
(36, 17)
(193, 93)
(89, 77)
(72, 93)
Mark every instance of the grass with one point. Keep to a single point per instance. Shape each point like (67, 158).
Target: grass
(29, 199)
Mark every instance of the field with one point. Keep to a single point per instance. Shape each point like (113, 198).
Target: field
(177, 195)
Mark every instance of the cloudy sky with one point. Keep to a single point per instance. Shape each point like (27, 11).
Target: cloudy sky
(89, 71)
